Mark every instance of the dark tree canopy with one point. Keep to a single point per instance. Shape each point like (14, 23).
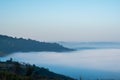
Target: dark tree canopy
(12, 70)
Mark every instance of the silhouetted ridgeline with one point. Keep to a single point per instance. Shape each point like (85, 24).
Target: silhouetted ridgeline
(12, 70)
(10, 45)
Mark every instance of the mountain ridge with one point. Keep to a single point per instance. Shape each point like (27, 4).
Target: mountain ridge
(9, 44)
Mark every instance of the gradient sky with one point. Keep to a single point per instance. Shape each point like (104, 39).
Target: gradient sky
(61, 20)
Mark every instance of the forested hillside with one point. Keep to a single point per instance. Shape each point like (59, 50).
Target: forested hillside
(11, 45)
(12, 70)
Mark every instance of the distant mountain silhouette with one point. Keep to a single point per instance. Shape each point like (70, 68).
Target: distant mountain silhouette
(11, 45)
(91, 45)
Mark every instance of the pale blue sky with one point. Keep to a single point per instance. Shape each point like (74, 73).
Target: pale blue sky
(61, 20)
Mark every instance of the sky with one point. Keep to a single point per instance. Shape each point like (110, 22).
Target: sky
(61, 20)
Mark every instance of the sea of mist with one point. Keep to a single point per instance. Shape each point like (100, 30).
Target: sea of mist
(93, 63)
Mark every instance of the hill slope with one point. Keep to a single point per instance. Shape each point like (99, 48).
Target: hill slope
(11, 70)
(11, 45)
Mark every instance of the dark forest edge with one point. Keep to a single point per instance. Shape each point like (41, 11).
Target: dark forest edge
(12, 70)
(11, 45)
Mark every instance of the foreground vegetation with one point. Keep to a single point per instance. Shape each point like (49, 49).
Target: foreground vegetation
(12, 70)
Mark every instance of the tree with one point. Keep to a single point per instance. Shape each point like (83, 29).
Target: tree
(29, 70)
(17, 67)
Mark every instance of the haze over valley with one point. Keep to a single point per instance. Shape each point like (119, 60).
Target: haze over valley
(59, 39)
